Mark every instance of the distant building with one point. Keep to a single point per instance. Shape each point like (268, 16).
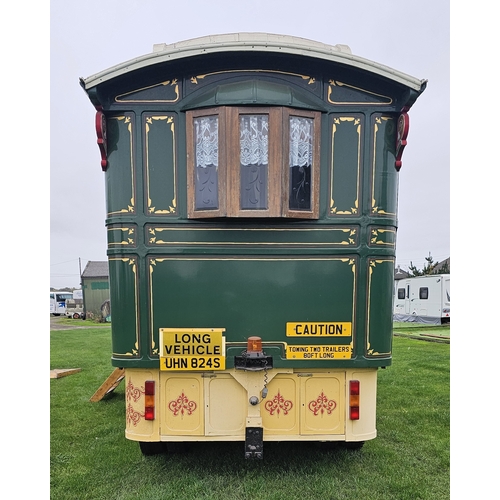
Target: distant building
(399, 274)
(443, 266)
(95, 286)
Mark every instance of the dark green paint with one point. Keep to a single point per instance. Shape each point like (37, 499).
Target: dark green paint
(251, 276)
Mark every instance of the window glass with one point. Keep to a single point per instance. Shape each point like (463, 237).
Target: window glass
(423, 293)
(300, 162)
(401, 293)
(206, 130)
(254, 161)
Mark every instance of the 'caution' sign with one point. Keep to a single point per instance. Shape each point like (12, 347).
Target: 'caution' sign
(305, 329)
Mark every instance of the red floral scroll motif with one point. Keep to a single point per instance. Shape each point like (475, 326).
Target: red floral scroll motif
(278, 404)
(133, 416)
(182, 405)
(322, 404)
(133, 393)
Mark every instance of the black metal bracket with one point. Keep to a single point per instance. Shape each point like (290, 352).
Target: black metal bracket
(254, 442)
(253, 362)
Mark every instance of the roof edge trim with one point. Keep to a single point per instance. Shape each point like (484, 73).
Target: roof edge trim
(252, 42)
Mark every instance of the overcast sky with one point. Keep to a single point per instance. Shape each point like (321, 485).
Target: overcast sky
(90, 36)
(53, 188)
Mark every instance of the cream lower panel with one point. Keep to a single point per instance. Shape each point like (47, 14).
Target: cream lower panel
(323, 403)
(305, 404)
(364, 428)
(136, 427)
(280, 410)
(182, 405)
(226, 404)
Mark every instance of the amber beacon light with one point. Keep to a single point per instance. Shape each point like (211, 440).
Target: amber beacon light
(254, 345)
(253, 358)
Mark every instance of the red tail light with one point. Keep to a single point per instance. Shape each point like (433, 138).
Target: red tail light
(354, 399)
(149, 403)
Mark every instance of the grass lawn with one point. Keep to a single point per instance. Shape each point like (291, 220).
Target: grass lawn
(91, 459)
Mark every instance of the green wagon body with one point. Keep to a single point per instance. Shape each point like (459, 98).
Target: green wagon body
(322, 271)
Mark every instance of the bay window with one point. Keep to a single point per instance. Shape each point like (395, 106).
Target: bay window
(253, 162)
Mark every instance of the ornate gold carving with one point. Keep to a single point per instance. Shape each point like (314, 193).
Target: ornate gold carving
(174, 83)
(172, 209)
(376, 234)
(194, 79)
(132, 262)
(129, 236)
(375, 208)
(335, 83)
(373, 263)
(128, 121)
(349, 239)
(356, 122)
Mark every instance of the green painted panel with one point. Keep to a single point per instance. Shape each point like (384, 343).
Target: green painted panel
(384, 176)
(160, 164)
(346, 161)
(120, 181)
(124, 307)
(250, 296)
(382, 237)
(316, 237)
(379, 313)
(121, 236)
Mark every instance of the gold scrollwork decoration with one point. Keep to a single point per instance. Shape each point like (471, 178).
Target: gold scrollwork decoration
(174, 83)
(310, 79)
(335, 83)
(172, 209)
(356, 122)
(127, 120)
(378, 234)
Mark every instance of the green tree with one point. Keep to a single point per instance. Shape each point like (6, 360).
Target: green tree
(444, 269)
(429, 267)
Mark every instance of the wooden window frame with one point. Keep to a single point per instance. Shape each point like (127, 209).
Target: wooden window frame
(274, 157)
(313, 212)
(229, 162)
(193, 212)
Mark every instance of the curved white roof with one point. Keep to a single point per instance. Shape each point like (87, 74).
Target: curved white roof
(264, 42)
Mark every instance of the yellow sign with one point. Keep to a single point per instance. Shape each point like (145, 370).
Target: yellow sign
(192, 349)
(318, 352)
(319, 329)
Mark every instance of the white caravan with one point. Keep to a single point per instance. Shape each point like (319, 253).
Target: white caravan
(58, 302)
(423, 299)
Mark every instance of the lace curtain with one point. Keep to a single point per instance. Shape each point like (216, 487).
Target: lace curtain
(254, 152)
(301, 141)
(206, 130)
(207, 141)
(254, 139)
